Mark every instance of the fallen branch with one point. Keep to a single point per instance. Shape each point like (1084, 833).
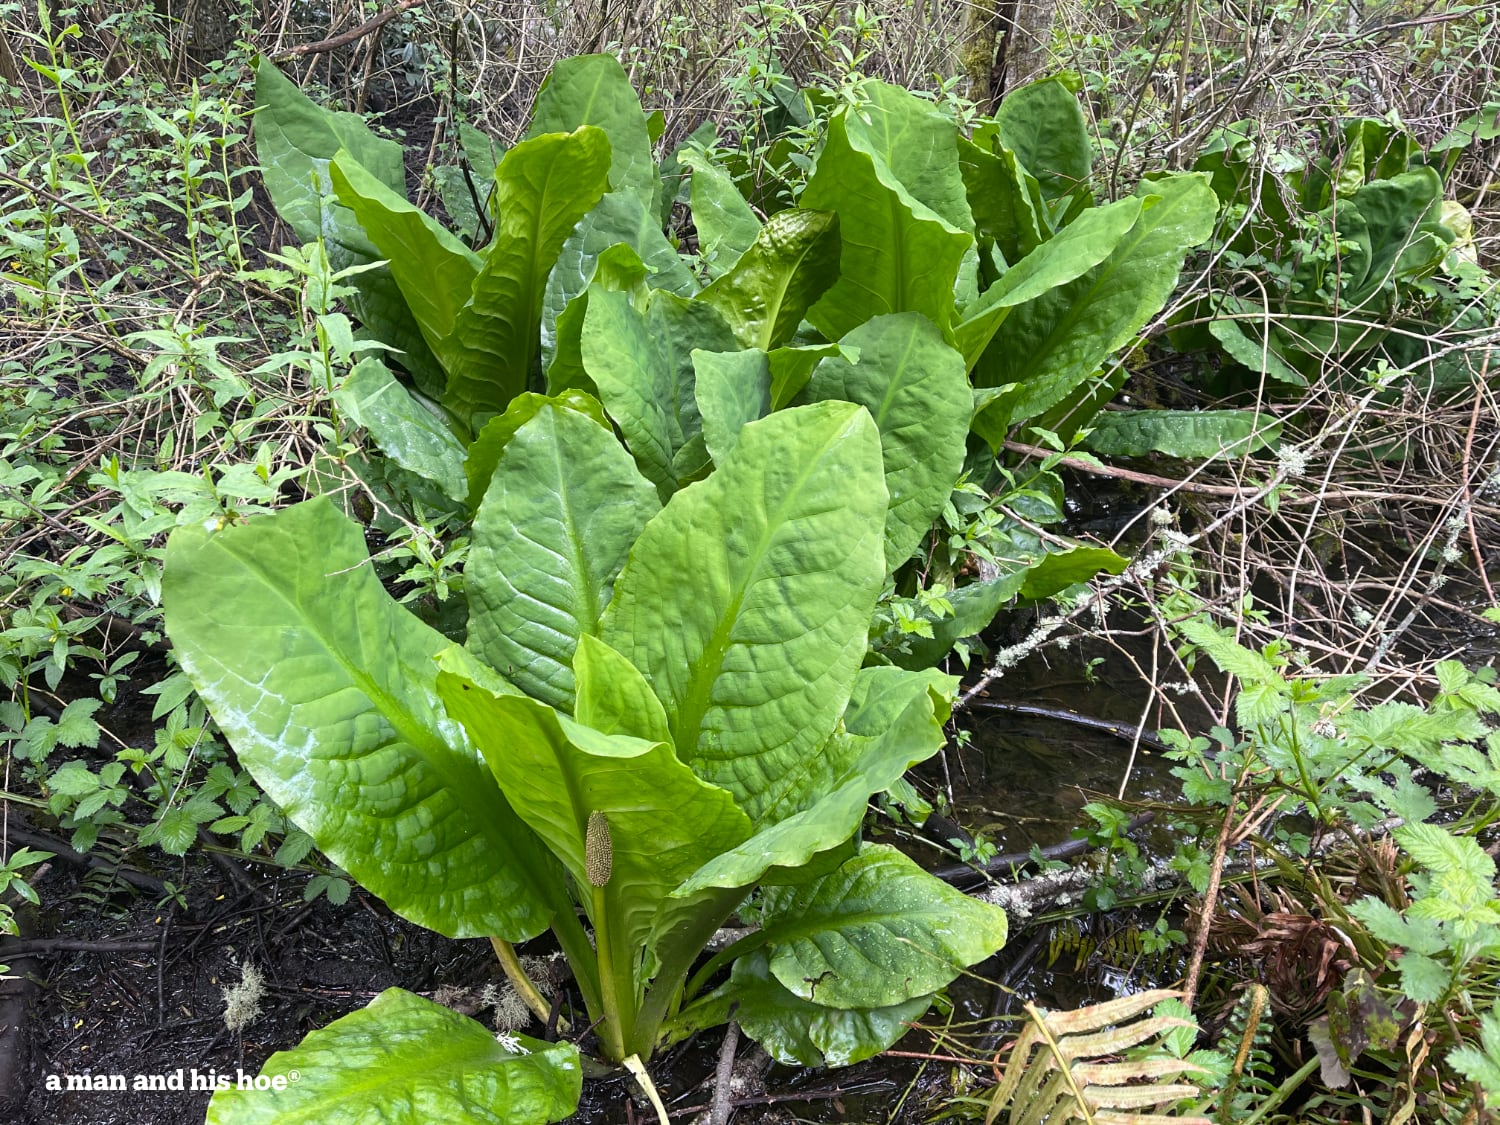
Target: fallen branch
(369, 27)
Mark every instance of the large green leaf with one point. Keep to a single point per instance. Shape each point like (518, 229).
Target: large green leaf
(897, 254)
(406, 431)
(733, 389)
(895, 720)
(543, 187)
(618, 268)
(1042, 123)
(1005, 199)
(876, 932)
(635, 385)
(434, 270)
(1060, 569)
(484, 451)
(914, 386)
(326, 689)
(797, 1032)
(679, 327)
(746, 601)
(726, 225)
(793, 261)
(613, 696)
(917, 142)
(1051, 344)
(1078, 248)
(563, 507)
(1182, 433)
(594, 90)
(403, 1060)
(294, 142)
(664, 822)
(619, 218)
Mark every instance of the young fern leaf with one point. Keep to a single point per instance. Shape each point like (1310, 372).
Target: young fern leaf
(1056, 1071)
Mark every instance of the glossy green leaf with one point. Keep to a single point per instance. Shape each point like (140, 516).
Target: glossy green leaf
(895, 720)
(635, 386)
(733, 389)
(1182, 433)
(403, 1060)
(562, 509)
(795, 1032)
(914, 386)
(917, 142)
(897, 254)
(434, 270)
(593, 90)
(294, 142)
(664, 822)
(484, 451)
(618, 268)
(746, 601)
(1004, 198)
(1078, 248)
(1042, 123)
(613, 696)
(1061, 569)
(679, 327)
(793, 262)
(1051, 344)
(620, 218)
(877, 931)
(791, 368)
(726, 225)
(1258, 346)
(543, 187)
(326, 689)
(407, 432)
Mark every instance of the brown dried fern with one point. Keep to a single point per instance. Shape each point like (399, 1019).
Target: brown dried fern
(1057, 1071)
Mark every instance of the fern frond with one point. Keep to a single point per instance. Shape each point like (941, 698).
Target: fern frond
(1065, 1067)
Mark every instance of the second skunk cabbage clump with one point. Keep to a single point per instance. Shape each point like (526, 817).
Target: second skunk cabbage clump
(698, 728)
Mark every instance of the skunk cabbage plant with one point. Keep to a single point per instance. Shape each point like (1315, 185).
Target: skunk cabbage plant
(662, 711)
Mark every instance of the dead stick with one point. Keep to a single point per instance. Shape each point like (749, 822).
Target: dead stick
(369, 27)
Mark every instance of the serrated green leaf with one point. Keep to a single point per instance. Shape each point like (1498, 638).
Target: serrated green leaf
(417, 1062)
(76, 726)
